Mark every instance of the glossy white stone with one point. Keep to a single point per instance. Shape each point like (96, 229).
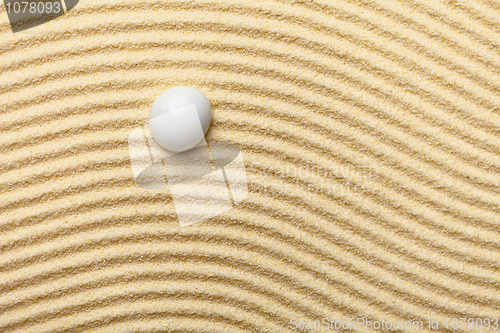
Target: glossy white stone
(180, 118)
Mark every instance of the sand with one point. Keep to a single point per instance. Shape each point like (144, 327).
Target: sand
(370, 133)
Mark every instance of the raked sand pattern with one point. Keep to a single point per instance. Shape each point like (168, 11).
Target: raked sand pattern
(371, 134)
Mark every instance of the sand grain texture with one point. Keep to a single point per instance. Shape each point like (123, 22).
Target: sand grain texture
(371, 138)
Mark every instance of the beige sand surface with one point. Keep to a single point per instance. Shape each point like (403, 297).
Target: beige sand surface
(371, 138)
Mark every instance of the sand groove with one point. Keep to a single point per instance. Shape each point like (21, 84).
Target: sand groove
(371, 138)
